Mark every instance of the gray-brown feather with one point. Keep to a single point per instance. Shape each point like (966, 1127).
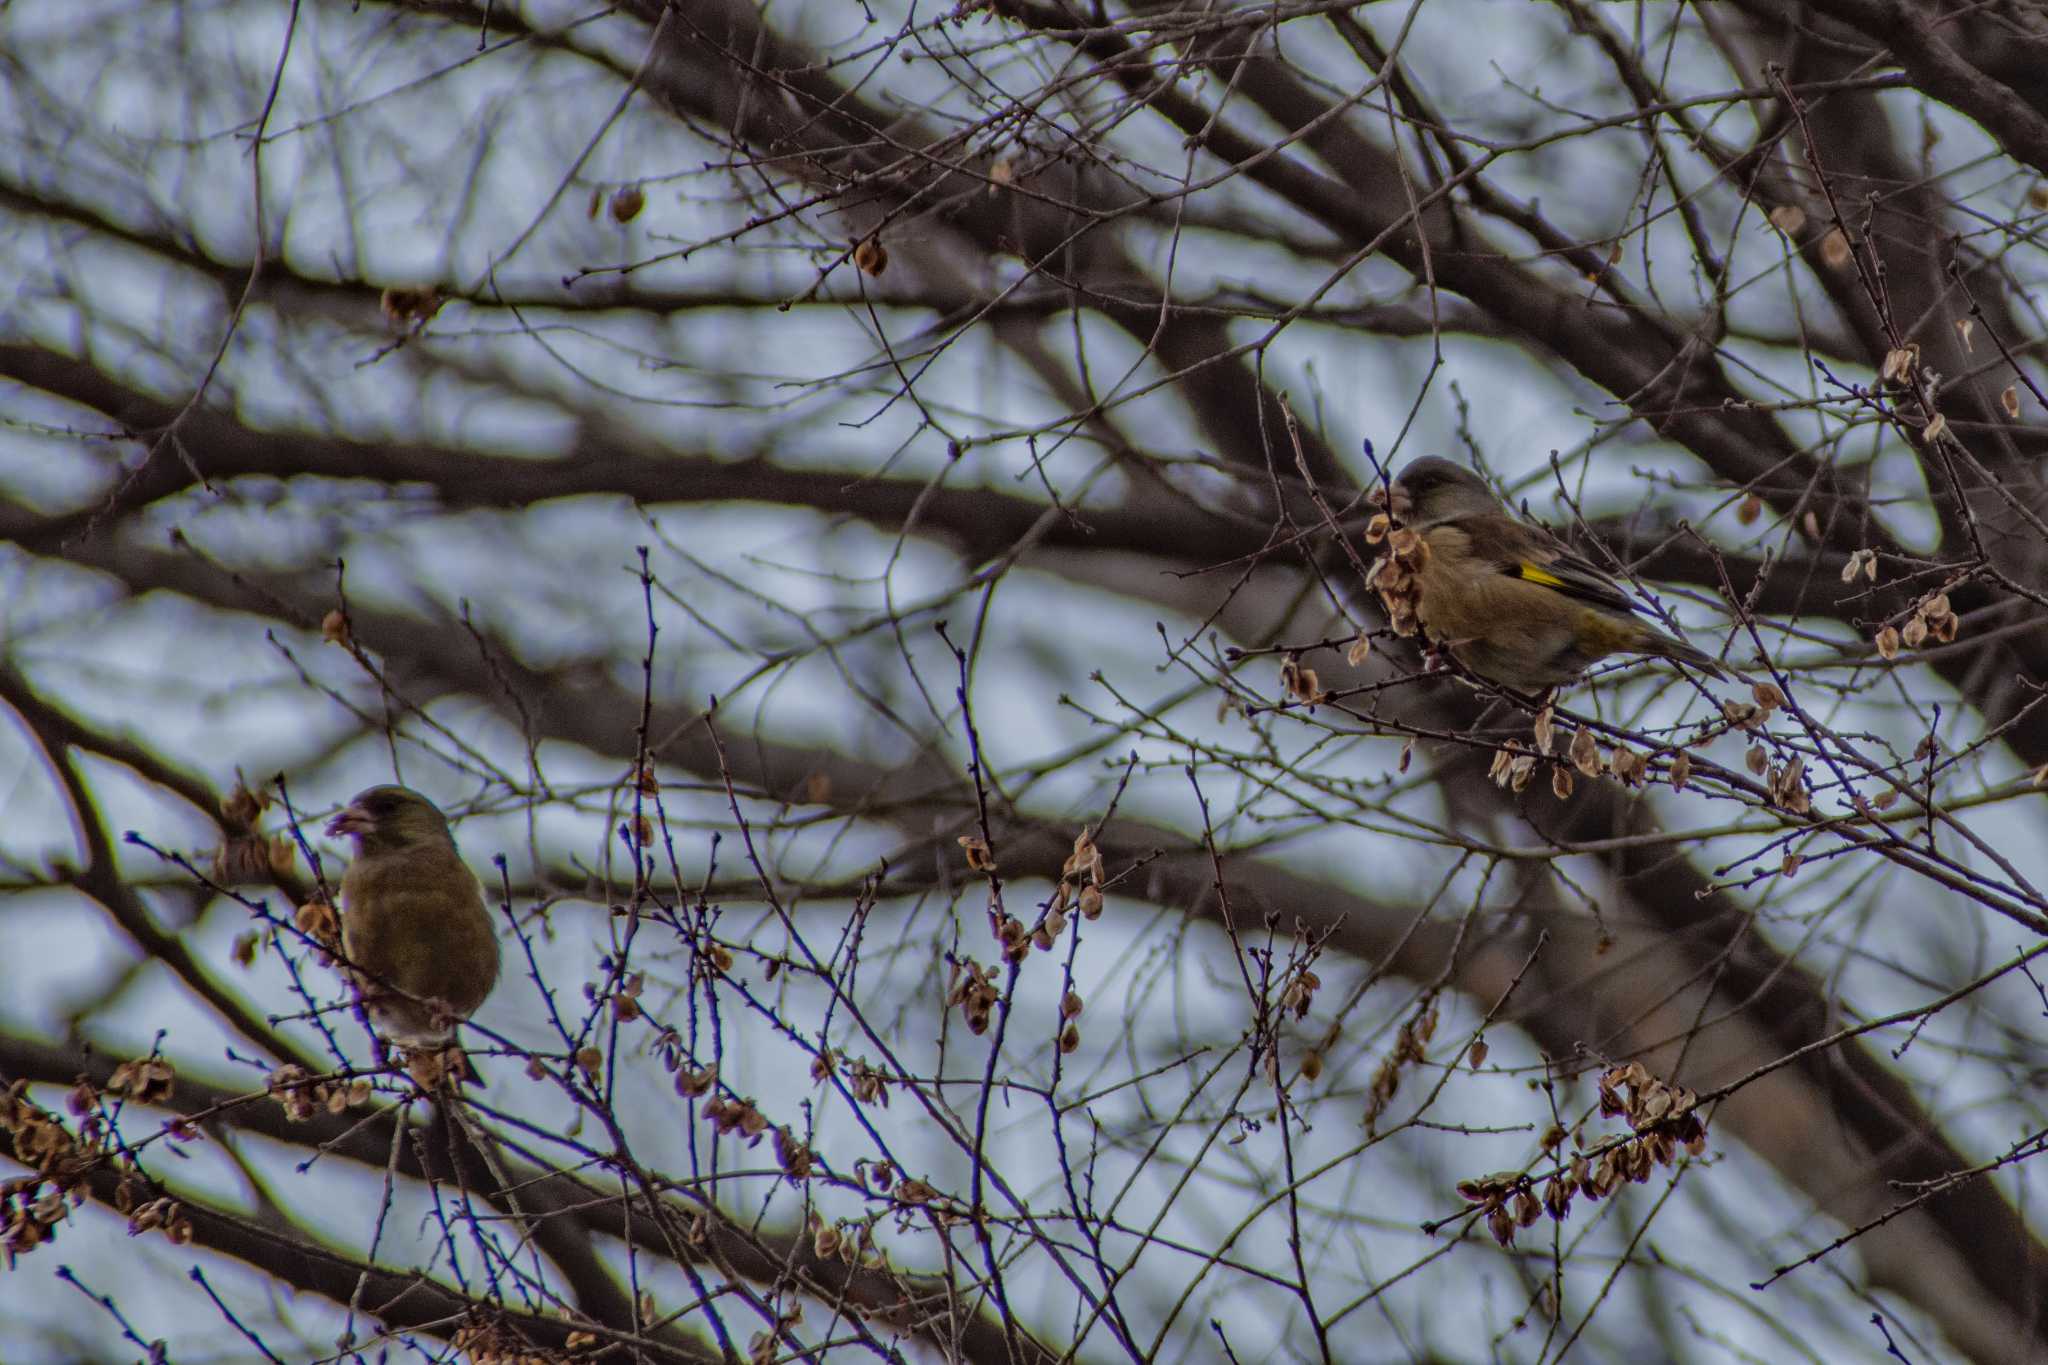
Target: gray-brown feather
(413, 919)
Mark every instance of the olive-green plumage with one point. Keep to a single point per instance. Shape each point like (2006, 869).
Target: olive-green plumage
(413, 922)
(1508, 600)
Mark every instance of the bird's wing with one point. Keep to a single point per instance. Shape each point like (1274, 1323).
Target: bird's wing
(1535, 556)
(1574, 577)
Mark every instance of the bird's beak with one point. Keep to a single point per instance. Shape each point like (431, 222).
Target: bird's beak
(352, 820)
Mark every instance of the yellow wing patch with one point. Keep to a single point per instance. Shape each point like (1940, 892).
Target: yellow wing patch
(1533, 574)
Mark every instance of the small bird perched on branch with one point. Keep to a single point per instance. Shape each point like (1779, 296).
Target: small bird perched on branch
(413, 924)
(1507, 599)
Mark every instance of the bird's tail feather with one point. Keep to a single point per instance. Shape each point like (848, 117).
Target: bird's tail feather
(1671, 647)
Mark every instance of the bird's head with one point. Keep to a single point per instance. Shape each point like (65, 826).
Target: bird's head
(1433, 490)
(390, 817)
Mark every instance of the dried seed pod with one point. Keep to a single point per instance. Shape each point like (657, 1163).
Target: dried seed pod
(979, 859)
(1557, 1197)
(1585, 753)
(792, 1155)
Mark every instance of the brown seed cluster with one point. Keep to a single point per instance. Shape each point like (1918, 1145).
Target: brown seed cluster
(251, 856)
(1871, 807)
(974, 989)
(692, 1081)
(625, 1002)
(793, 1154)
(164, 1213)
(301, 1093)
(317, 921)
(1298, 996)
(1863, 562)
(144, 1080)
(1080, 887)
(241, 807)
(1081, 881)
(486, 1340)
(737, 1116)
(851, 1242)
(975, 992)
(1512, 767)
(1300, 682)
(1745, 715)
(1396, 575)
(32, 1205)
(979, 859)
(1665, 1119)
(1933, 618)
(1409, 1043)
(1014, 938)
(1787, 782)
(870, 1085)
